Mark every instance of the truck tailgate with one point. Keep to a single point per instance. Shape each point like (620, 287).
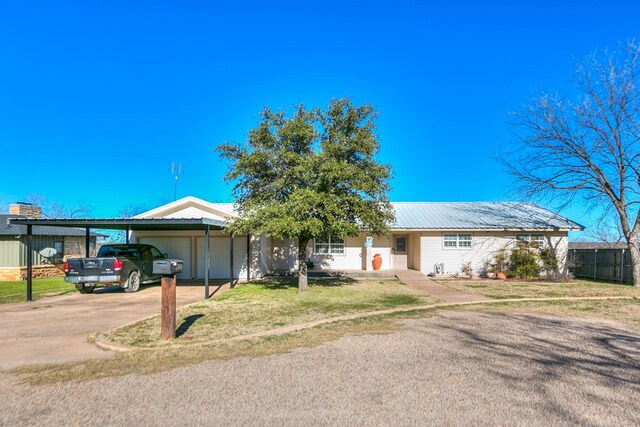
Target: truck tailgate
(91, 266)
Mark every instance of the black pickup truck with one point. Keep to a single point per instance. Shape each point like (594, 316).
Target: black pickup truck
(127, 265)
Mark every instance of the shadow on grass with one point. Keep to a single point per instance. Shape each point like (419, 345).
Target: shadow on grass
(292, 282)
(187, 323)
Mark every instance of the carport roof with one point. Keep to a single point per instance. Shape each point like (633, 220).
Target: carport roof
(126, 223)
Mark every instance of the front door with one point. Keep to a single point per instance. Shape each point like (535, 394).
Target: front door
(399, 256)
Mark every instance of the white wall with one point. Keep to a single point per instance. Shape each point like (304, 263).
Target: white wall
(282, 255)
(485, 244)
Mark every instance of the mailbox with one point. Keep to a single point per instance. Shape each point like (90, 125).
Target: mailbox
(167, 267)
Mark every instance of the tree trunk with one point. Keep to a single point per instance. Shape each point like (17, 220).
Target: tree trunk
(302, 265)
(634, 251)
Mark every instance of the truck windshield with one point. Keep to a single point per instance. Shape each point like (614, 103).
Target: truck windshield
(115, 251)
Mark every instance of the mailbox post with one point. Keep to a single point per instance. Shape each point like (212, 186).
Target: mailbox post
(168, 268)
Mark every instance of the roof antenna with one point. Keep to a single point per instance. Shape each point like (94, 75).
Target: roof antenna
(176, 171)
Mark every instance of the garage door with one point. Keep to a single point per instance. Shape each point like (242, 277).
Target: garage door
(175, 247)
(219, 257)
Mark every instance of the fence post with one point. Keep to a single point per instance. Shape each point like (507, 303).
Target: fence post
(622, 267)
(595, 264)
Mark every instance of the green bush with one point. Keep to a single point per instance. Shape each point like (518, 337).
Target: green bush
(524, 262)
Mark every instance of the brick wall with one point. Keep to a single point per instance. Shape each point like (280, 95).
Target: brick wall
(24, 209)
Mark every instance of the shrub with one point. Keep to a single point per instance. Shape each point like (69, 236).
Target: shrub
(524, 262)
(467, 269)
(500, 262)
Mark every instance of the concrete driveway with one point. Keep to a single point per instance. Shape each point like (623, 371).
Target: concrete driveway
(55, 329)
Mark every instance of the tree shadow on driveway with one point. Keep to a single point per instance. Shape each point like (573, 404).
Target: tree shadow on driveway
(550, 364)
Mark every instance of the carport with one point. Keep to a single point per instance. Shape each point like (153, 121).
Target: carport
(133, 224)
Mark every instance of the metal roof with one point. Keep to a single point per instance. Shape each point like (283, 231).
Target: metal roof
(126, 223)
(478, 216)
(8, 228)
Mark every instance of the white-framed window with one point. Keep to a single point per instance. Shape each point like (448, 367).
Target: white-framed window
(457, 241)
(537, 239)
(58, 245)
(329, 246)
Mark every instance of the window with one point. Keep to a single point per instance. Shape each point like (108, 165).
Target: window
(331, 245)
(401, 244)
(59, 247)
(536, 239)
(459, 241)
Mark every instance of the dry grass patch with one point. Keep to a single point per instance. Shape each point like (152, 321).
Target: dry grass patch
(626, 311)
(499, 289)
(145, 362)
(270, 304)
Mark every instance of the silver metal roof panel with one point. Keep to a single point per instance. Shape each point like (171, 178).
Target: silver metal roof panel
(478, 216)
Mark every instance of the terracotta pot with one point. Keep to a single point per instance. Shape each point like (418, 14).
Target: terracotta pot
(377, 262)
(501, 276)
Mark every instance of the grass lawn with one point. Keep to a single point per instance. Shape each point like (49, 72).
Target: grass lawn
(621, 311)
(269, 304)
(16, 291)
(500, 289)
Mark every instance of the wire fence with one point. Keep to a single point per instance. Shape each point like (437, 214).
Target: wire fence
(612, 265)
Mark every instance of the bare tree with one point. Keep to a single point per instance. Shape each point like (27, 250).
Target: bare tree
(589, 146)
(52, 209)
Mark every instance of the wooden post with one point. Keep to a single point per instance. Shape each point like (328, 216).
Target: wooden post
(168, 322)
(87, 239)
(622, 266)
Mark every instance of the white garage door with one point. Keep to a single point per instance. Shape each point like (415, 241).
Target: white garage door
(174, 247)
(219, 257)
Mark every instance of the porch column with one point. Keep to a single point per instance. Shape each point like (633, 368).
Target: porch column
(248, 257)
(86, 242)
(206, 262)
(231, 260)
(29, 262)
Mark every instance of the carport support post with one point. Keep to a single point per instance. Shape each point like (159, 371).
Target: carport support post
(168, 309)
(231, 261)
(206, 262)
(29, 262)
(248, 257)
(86, 242)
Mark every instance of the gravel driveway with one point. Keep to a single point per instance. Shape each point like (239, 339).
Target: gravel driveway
(460, 368)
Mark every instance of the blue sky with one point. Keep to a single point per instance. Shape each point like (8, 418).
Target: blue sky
(97, 98)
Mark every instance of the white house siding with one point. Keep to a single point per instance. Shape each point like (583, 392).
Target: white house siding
(484, 245)
(354, 256)
(219, 257)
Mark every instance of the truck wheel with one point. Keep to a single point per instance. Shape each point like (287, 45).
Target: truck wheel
(85, 288)
(133, 284)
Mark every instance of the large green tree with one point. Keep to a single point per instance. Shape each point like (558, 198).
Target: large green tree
(310, 175)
